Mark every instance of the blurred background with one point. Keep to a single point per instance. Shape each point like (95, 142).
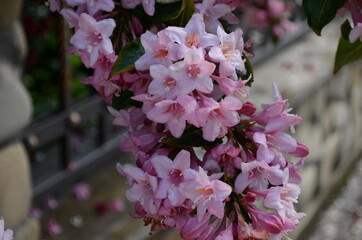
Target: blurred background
(58, 147)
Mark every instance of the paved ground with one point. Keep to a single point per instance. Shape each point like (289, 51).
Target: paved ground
(343, 218)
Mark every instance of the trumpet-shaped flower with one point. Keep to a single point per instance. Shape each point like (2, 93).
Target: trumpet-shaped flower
(174, 113)
(206, 195)
(93, 36)
(229, 53)
(193, 73)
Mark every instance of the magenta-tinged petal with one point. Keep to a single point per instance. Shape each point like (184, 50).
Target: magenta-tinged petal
(187, 102)
(135, 192)
(162, 165)
(106, 26)
(176, 126)
(182, 160)
(176, 34)
(211, 130)
(149, 6)
(70, 16)
(281, 123)
(241, 182)
(129, 4)
(134, 172)
(159, 114)
(227, 234)
(201, 210)
(231, 103)
(176, 198)
(301, 151)
(273, 199)
(286, 143)
(216, 54)
(162, 189)
(221, 189)
(216, 208)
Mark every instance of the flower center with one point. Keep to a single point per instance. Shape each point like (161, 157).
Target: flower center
(161, 53)
(193, 71)
(192, 40)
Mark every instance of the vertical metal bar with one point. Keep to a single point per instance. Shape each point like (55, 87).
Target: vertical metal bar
(65, 94)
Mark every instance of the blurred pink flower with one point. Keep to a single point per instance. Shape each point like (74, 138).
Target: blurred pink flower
(82, 191)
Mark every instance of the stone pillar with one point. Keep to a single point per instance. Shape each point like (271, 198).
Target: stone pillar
(15, 113)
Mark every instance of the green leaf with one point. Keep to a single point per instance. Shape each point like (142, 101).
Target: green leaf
(347, 52)
(346, 29)
(128, 55)
(124, 100)
(250, 73)
(168, 11)
(320, 12)
(185, 16)
(192, 137)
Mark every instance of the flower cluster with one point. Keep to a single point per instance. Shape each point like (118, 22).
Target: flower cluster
(270, 14)
(207, 162)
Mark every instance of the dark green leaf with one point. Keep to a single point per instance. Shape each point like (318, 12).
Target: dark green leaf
(346, 29)
(192, 137)
(347, 53)
(168, 11)
(128, 55)
(320, 12)
(124, 100)
(188, 11)
(249, 72)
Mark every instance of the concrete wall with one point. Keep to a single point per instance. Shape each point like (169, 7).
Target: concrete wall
(331, 108)
(15, 112)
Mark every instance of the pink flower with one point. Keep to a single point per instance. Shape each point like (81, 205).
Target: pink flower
(148, 5)
(116, 205)
(193, 35)
(93, 36)
(159, 49)
(172, 175)
(262, 220)
(258, 175)
(51, 203)
(70, 16)
(163, 83)
(229, 53)
(214, 117)
(82, 191)
(5, 234)
(206, 194)
(227, 234)
(193, 73)
(212, 12)
(174, 113)
(93, 6)
(53, 227)
(54, 5)
(195, 228)
(143, 187)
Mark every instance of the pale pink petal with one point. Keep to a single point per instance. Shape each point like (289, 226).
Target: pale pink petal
(241, 182)
(162, 165)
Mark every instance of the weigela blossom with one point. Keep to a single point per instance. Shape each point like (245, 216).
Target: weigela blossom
(93, 36)
(205, 158)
